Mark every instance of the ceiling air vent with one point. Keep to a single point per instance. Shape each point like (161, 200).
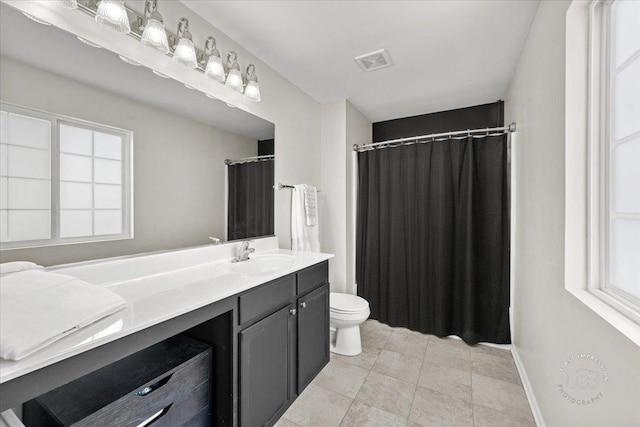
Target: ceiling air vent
(374, 60)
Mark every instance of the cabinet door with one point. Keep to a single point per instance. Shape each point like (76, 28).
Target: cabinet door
(313, 335)
(265, 368)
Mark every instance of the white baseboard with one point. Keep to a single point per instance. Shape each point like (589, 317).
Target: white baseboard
(533, 403)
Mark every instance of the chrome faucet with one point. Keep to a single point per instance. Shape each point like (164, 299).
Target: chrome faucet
(244, 252)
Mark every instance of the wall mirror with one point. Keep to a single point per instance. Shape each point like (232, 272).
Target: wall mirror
(98, 148)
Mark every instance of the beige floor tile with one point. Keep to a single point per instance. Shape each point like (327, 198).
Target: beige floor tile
(449, 347)
(387, 393)
(365, 360)
(499, 368)
(408, 343)
(374, 339)
(452, 360)
(317, 406)
(283, 422)
(341, 377)
(492, 351)
(451, 381)
(432, 408)
(372, 324)
(500, 395)
(363, 415)
(487, 417)
(400, 366)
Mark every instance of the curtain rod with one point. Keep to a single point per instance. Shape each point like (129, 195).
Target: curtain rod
(280, 186)
(249, 159)
(364, 147)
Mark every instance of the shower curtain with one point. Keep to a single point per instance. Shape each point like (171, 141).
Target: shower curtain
(432, 249)
(250, 212)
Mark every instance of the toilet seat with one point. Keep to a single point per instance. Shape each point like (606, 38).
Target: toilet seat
(347, 304)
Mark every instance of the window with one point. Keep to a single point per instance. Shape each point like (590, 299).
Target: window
(614, 206)
(62, 180)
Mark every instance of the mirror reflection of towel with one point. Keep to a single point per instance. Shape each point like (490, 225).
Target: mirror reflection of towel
(305, 234)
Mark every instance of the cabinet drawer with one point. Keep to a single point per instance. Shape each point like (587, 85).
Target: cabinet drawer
(129, 391)
(266, 299)
(312, 277)
(182, 394)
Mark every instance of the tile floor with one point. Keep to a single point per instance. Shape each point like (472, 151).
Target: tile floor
(404, 378)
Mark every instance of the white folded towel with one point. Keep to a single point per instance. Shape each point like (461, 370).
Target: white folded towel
(38, 308)
(304, 237)
(310, 204)
(17, 266)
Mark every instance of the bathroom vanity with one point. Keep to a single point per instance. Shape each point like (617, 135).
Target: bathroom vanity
(266, 321)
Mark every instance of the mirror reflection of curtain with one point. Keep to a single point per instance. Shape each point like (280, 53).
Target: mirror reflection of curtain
(250, 200)
(433, 237)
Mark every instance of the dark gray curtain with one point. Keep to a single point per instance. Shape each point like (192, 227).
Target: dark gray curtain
(250, 200)
(432, 251)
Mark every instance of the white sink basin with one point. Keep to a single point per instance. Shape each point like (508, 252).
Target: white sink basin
(261, 264)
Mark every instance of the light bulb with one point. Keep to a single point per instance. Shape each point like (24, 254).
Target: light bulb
(252, 91)
(185, 53)
(215, 69)
(113, 15)
(234, 80)
(154, 35)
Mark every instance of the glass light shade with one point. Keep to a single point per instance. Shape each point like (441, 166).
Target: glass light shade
(252, 91)
(185, 53)
(215, 69)
(234, 80)
(69, 4)
(113, 15)
(154, 36)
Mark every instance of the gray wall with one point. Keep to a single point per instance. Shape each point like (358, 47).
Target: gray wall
(549, 323)
(179, 172)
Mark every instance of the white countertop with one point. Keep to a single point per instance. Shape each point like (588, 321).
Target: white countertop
(157, 287)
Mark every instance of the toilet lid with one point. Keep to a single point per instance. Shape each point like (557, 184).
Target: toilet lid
(347, 303)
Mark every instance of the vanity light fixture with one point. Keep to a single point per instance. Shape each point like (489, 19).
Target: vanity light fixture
(130, 61)
(214, 69)
(234, 78)
(252, 91)
(185, 53)
(69, 4)
(113, 15)
(154, 35)
(89, 43)
(34, 19)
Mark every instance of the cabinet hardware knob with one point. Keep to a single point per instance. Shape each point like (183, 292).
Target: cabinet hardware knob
(303, 304)
(293, 311)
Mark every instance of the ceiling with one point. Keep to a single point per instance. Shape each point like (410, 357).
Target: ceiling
(58, 52)
(446, 54)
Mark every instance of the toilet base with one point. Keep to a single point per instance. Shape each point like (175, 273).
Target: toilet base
(347, 342)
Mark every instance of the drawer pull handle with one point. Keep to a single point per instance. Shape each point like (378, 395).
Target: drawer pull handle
(154, 387)
(155, 417)
(303, 304)
(293, 311)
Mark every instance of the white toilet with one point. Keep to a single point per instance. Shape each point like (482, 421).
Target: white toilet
(346, 313)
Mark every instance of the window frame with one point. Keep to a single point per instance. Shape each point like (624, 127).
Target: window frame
(600, 146)
(127, 179)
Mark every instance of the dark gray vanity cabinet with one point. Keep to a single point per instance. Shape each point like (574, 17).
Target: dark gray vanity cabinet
(313, 335)
(265, 386)
(283, 343)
